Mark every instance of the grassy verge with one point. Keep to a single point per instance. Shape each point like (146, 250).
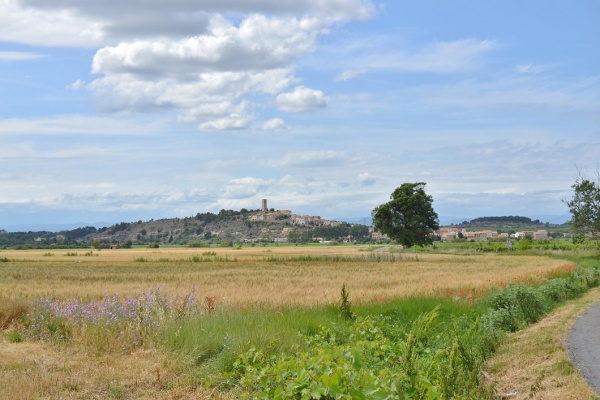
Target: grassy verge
(543, 368)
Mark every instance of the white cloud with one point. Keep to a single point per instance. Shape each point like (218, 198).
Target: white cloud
(203, 59)
(99, 185)
(258, 43)
(37, 26)
(274, 124)
(351, 74)
(365, 179)
(301, 99)
(18, 56)
(386, 53)
(308, 159)
(76, 125)
(205, 77)
(227, 123)
(242, 188)
(117, 20)
(77, 85)
(518, 91)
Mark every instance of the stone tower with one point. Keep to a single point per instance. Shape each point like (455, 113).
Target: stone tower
(264, 205)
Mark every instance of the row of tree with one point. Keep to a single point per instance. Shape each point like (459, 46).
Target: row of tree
(358, 233)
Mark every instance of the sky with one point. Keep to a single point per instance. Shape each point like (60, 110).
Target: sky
(117, 111)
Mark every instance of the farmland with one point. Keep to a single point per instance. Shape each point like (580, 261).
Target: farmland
(276, 275)
(265, 301)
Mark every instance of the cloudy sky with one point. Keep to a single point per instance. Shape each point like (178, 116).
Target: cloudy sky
(137, 109)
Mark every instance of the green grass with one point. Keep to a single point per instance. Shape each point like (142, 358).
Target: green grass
(209, 346)
(210, 343)
(417, 348)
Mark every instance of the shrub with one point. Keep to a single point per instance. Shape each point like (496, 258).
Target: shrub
(587, 277)
(199, 243)
(525, 243)
(560, 289)
(524, 306)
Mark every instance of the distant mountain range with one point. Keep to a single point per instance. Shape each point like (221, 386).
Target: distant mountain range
(53, 227)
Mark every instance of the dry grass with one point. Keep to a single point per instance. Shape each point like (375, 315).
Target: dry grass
(39, 371)
(250, 279)
(10, 311)
(533, 363)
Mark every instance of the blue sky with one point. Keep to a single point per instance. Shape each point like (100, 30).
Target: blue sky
(124, 110)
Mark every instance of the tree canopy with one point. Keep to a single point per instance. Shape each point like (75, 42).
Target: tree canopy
(585, 209)
(408, 217)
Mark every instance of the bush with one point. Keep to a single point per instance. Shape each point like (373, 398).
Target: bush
(524, 306)
(560, 289)
(525, 243)
(199, 243)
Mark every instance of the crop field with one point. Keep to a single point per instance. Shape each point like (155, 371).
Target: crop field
(307, 275)
(268, 322)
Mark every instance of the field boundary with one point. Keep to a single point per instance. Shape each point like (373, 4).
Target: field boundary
(543, 368)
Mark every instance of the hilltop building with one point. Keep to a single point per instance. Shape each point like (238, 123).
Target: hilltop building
(294, 219)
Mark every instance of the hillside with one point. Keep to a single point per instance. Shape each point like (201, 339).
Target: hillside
(226, 228)
(186, 230)
(511, 224)
(231, 227)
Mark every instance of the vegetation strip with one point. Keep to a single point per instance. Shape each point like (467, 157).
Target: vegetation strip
(543, 368)
(420, 347)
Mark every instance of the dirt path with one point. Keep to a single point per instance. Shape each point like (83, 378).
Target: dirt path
(583, 345)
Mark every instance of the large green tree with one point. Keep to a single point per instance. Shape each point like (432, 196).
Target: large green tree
(585, 209)
(408, 217)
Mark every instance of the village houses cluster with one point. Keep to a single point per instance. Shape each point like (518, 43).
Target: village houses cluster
(447, 234)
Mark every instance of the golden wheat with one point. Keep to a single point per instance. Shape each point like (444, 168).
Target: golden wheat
(261, 275)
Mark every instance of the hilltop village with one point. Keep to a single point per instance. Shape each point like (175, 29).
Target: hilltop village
(264, 225)
(302, 220)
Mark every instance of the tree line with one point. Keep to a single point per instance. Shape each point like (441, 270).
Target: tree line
(358, 233)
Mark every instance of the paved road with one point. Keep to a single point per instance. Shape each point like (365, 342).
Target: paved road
(583, 345)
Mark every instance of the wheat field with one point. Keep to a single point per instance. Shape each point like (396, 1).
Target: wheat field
(274, 276)
(285, 275)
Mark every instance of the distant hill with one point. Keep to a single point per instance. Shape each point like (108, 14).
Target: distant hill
(228, 227)
(513, 223)
(510, 219)
(51, 227)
